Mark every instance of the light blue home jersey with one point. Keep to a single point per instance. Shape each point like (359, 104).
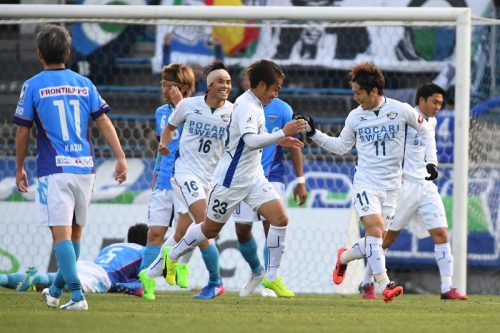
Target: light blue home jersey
(61, 102)
(277, 114)
(163, 169)
(121, 261)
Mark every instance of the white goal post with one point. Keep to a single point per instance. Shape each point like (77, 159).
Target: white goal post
(458, 17)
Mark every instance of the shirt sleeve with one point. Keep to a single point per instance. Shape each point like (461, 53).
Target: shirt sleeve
(247, 120)
(257, 141)
(178, 115)
(426, 131)
(25, 110)
(97, 104)
(338, 145)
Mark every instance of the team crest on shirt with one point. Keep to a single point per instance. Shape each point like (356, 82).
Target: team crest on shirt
(23, 93)
(19, 111)
(392, 115)
(420, 119)
(225, 117)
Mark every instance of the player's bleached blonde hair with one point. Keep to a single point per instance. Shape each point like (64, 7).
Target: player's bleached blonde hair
(180, 74)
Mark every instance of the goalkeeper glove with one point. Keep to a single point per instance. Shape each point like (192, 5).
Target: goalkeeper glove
(310, 129)
(432, 170)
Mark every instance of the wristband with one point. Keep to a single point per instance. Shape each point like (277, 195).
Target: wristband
(300, 180)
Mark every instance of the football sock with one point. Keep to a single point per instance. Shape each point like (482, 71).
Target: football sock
(249, 252)
(357, 251)
(276, 243)
(444, 260)
(194, 236)
(376, 259)
(266, 255)
(11, 280)
(150, 254)
(210, 256)
(66, 262)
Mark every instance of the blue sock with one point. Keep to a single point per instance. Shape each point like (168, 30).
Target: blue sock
(12, 280)
(150, 254)
(3, 279)
(42, 279)
(266, 255)
(66, 262)
(249, 252)
(76, 246)
(210, 256)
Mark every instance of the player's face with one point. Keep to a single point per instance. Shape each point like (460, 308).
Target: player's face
(431, 105)
(271, 91)
(363, 98)
(220, 88)
(169, 88)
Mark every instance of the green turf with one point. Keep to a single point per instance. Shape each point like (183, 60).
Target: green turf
(178, 312)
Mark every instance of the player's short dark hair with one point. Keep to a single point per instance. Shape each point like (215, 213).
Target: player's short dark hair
(428, 89)
(266, 71)
(138, 234)
(181, 74)
(368, 76)
(54, 43)
(216, 64)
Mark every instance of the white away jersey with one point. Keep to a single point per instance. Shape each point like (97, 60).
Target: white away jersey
(239, 166)
(380, 142)
(203, 136)
(414, 161)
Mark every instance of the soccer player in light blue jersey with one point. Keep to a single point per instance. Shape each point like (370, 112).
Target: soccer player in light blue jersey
(61, 103)
(115, 269)
(278, 113)
(177, 83)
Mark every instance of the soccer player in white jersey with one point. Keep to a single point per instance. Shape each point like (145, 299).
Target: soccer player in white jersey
(419, 200)
(377, 128)
(205, 119)
(177, 82)
(239, 175)
(278, 113)
(61, 103)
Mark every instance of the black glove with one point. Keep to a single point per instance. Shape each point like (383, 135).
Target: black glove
(310, 130)
(432, 170)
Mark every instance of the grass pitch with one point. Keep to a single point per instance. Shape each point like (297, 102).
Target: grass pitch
(178, 312)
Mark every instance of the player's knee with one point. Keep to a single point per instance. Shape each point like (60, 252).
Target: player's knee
(280, 221)
(243, 232)
(439, 235)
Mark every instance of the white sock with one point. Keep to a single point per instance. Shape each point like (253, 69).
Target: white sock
(376, 259)
(368, 276)
(194, 236)
(357, 251)
(444, 260)
(156, 268)
(184, 259)
(276, 243)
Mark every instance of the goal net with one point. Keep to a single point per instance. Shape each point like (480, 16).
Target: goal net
(123, 48)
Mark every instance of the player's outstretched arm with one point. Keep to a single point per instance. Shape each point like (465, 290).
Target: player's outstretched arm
(167, 134)
(22, 142)
(339, 145)
(108, 131)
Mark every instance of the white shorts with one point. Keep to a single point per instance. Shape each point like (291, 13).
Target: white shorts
(161, 208)
(246, 215)
(94, 278)
(60, 196)
(223, 201)
(188, 189)
(367, 201)
(419, 203)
